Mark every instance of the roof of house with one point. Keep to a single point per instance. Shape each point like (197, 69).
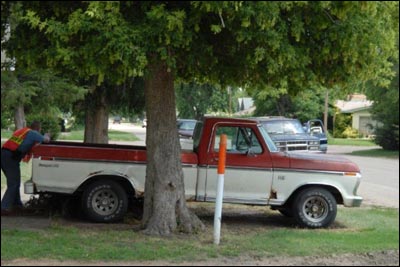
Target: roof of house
(354, 103)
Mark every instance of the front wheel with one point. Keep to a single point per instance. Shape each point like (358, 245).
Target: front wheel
(104, 201)
(314, 207)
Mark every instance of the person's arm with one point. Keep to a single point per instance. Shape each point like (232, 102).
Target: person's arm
(46, 138)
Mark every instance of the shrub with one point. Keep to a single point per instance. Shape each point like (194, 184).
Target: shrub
(342, 123)
(50, 124)
(350, 132)
(387, 136)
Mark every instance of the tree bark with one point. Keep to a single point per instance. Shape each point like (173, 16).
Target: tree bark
(165, 209)
(19, 117)
(96, 120)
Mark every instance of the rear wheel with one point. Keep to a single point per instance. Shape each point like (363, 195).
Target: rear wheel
(104, 201)
(314, 207)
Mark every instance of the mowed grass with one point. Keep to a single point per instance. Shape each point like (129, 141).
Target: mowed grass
(356, 230)
(113, 135)
(350, 142)
(377, 153)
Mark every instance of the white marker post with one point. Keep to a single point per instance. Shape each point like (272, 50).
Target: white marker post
(220, 189)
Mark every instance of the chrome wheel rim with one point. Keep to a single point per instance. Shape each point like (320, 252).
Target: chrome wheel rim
(105, 202)
(315, 209)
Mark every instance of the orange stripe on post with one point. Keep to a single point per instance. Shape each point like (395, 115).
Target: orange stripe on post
(222, 154)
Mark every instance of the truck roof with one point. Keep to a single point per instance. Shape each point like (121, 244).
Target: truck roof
(227, 119)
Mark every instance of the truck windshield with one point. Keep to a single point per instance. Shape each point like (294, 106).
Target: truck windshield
(283, 127)
(271, 145)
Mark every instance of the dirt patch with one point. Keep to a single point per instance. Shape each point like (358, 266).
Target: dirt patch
(254, 218)
(380, 258)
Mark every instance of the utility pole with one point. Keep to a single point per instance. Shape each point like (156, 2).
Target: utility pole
(326, 110)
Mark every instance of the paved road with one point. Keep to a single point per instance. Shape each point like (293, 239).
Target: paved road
(380, 182)
(379, 185)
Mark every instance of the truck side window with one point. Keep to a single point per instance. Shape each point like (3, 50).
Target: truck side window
(239, 140)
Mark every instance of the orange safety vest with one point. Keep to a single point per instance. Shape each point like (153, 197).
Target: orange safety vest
(16, 139)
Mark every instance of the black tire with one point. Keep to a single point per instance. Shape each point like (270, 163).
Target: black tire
(104, 201)
(286, 212)
(314, 207)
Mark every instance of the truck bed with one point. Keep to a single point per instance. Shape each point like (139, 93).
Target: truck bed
(99, 152)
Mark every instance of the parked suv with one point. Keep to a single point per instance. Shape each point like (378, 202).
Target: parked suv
(186, 128)
(289, 135)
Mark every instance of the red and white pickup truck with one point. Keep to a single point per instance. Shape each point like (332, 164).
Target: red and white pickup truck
(305, 186)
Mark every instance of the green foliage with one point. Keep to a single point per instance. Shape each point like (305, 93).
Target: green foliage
(50, 123)
(5, 119)
(387, 136)
(38, 91)
(350, 132)
(385, 111)
(281, 47)
(195, 100)
(342, 122)
(305, 105)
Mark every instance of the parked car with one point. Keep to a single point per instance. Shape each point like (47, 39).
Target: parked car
(289, 135)
(144, 123)
(117, 119)
(186, 128)
(316, 128)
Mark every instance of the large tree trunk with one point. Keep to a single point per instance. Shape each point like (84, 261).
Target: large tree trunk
(96, 120)
(19, 117)
(165, 209)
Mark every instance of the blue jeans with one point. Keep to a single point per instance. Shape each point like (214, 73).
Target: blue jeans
(10, 167)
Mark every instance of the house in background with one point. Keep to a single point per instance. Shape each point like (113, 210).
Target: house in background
(359, 107)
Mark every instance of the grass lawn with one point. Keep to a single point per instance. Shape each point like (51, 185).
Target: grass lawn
(377, 153)
(112, 135)
(78, 135)
(350, 142)
(356, 230)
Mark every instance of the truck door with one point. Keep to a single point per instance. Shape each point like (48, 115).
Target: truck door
(248, 172)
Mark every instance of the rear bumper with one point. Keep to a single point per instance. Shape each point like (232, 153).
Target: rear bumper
(29, 187)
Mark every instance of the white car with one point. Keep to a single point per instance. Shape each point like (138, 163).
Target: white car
(144, 123)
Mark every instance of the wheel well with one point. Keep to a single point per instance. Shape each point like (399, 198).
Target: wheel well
(126, 185)
(334, 191)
